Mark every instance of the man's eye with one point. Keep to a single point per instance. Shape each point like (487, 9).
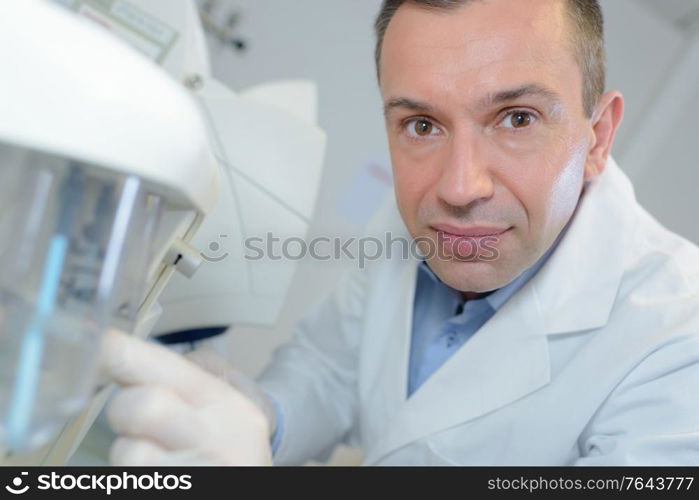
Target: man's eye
(518, 120)
(420, 127)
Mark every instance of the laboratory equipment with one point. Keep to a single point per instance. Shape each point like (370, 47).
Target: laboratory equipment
(105, 174)
(258, 195)
(259, 136)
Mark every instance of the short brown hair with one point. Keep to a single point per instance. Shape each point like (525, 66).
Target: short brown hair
(588, 39)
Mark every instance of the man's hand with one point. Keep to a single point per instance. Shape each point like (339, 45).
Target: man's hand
(212, 362)
(171, 412)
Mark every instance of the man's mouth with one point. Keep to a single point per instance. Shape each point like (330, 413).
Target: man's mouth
(469, 242)
(469, 231)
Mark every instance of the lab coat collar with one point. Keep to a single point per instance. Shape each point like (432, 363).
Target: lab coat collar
(508, 357)
(577, 288)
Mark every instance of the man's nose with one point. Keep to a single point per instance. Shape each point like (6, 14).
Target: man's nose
(466, 176)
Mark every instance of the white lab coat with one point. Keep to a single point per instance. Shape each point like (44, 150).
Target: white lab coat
(595, 361)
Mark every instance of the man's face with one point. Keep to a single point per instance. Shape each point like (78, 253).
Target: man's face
(487, 133)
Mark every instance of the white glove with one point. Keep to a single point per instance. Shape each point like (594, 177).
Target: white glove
(171, 412)
(211, 361)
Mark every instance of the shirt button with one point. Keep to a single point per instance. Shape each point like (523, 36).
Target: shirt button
(451, 338)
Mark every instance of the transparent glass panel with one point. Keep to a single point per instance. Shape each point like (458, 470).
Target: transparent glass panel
(74, 254)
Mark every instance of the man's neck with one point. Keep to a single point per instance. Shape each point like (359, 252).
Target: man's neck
(474, 295)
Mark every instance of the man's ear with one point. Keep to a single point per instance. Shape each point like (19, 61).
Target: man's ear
(605, 121)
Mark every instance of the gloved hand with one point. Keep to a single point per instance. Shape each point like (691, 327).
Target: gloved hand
(171, 412)
(217, 365)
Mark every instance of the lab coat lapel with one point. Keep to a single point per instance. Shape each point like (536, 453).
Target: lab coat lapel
(502, 362)
(384, 376)
(577, 288)
(508, 357)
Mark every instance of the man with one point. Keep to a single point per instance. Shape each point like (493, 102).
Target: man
(551, 320)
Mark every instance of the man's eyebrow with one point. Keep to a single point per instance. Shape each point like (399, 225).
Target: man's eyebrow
(529, 89)
(500, 97)
(404, 102)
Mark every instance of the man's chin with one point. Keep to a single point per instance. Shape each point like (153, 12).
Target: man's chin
(469, 275)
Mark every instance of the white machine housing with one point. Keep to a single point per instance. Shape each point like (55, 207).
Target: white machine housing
(270, 152)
